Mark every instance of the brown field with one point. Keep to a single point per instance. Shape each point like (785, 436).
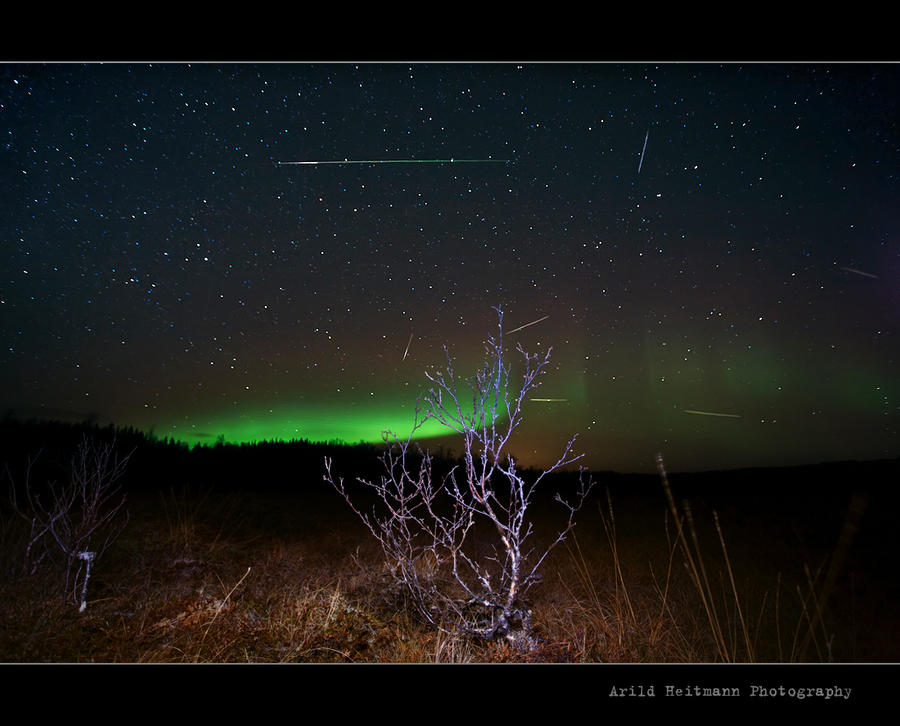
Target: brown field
(200, 575)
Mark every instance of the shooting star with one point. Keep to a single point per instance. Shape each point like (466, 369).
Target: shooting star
(641, 162)
(710, 413)
(548, 400)
(393, 161)
(407, 347)
(533, 322)
(860, 272)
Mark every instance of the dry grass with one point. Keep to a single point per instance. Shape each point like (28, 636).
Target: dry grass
(196, 578)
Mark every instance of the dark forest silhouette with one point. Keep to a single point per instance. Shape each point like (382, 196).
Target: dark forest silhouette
(299, 464)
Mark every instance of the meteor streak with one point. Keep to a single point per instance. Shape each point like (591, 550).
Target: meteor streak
(710, 413)
(860, 272)
(407, 347)
(533, 322)
(393, 161)
(548, 400)
(641, 162)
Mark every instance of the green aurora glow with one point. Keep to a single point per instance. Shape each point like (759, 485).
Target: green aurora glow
(652, 398)
(315, 422)
(311, 423)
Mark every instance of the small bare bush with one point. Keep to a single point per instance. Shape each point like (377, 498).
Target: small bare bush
(427, 525)
(78, 520)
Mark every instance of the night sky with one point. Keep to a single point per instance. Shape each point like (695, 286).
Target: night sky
(695, 239)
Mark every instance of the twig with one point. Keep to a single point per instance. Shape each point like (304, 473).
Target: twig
(218, 610)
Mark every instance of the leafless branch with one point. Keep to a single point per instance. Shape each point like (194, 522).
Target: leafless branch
(80, 519)
(425, 527)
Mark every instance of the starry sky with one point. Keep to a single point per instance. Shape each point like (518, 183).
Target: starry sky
(694, 239)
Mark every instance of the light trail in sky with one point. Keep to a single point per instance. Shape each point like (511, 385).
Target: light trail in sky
(393, 161)
(641, 162)
(533, 322)
(860, 272)
(407, 347)
(710, 413)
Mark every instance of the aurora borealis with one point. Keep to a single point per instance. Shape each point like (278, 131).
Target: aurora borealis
(711, 251)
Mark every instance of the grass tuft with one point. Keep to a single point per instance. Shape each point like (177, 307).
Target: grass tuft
(240, 578)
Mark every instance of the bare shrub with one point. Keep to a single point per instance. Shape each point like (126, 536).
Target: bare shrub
(78, 520)
(427, 527)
